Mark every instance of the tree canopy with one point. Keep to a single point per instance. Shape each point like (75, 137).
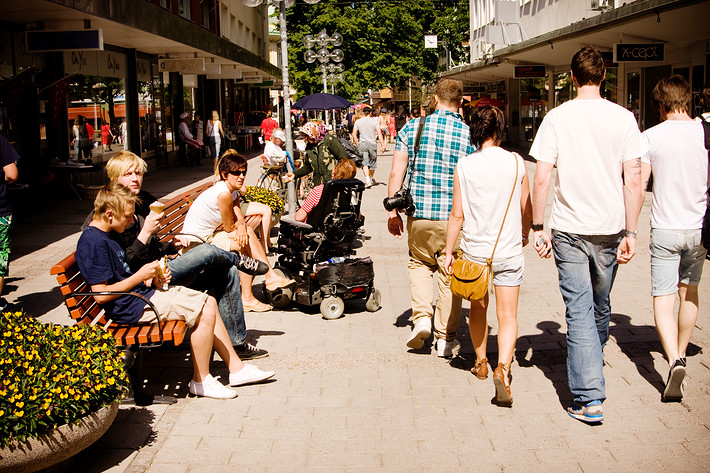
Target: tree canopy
(383, 41)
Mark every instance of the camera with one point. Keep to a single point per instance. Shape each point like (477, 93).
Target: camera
(401, 200)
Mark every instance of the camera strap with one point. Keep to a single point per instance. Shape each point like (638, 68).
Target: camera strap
(417, 140)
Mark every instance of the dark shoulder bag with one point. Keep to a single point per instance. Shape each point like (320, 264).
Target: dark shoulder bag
(706, 220)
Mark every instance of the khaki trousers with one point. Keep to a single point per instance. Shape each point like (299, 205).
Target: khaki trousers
(427, 252)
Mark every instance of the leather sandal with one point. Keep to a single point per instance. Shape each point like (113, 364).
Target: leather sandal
(503, 396)
(255, 306)
(280, 283)
(480, 369)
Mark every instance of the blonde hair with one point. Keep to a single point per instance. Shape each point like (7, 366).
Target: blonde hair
(114, 198)
(215, 115)
(122, 162)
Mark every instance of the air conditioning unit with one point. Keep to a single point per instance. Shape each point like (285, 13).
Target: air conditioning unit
(602, 5)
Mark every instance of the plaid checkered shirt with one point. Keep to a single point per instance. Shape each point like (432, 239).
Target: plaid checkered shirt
(445, 139)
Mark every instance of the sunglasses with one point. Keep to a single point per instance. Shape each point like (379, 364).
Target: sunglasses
(241, 172)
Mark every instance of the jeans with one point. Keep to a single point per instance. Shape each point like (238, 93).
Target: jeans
(206, 267)
(586, 267)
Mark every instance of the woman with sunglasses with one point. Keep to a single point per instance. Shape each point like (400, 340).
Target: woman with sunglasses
(219, 205)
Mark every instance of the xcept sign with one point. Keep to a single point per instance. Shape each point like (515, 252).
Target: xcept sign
(639, 52)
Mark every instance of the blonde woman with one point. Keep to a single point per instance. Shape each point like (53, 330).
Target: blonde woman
(215, 133)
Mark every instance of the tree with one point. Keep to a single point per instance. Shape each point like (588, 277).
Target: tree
(383, 41)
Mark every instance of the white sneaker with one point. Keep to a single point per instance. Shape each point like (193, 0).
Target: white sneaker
(249, 374)
(368, 183)
(420, 332)
(210, 387)
(446, 349)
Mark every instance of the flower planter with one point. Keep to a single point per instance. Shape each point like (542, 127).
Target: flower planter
(57, 444)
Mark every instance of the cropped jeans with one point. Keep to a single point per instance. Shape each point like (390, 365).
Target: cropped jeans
(586, 267)
(206, 267)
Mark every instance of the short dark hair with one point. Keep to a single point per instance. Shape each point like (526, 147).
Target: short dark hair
(705, 100)
(231, 160)
(486, 122)
(673, 94)
(588, 66)
(449, 91)
(366, 111)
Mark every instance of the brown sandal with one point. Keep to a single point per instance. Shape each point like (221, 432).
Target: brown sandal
(480, 369)
(503, 396)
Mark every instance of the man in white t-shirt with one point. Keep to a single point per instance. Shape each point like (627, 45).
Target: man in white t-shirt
(677, 157)
(593, 220)
(366, 132)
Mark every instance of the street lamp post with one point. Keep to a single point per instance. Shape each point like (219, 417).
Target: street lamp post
(283, 4)
(323, 55)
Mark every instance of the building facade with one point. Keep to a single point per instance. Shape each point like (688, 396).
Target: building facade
(137, 62)
(521, 51)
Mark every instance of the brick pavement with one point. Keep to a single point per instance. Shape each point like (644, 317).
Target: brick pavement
(348, 397)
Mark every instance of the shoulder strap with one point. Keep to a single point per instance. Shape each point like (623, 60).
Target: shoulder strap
(417, 141)
(706, 130)
(512, 192)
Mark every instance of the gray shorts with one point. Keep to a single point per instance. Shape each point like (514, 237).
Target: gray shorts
(369, 154)
(677, 256)
(506, 272)
(177, 303)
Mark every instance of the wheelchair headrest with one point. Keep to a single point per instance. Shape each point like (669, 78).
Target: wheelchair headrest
(339, 196)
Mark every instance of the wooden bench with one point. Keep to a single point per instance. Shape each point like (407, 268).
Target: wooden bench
(83, 308)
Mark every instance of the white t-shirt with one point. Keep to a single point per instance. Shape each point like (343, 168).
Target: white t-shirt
(203, 218)
(679, 160)
(274, 154)
(367, 126)
(588, 140)
(486, 180)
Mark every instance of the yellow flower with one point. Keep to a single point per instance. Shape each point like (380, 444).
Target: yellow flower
(19, 413)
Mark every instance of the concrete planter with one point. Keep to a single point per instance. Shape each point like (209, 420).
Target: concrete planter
(57, 444)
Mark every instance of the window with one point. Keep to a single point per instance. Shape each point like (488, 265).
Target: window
(184, 7)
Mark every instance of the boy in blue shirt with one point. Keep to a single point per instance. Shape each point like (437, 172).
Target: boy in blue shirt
(102, 263)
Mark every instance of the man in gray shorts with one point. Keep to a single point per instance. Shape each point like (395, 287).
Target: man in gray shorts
(369, 132)
(677, 156)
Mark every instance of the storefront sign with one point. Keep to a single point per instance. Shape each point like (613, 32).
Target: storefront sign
(251, 79)
(143, 70)
(95, 63)
(65, 40)
(526, 72)
(641, 52)
(186, 66)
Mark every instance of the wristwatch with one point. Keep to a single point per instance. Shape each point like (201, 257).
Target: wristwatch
(536, 227)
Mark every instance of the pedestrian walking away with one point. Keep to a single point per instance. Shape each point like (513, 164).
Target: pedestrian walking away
(444, 139)
(496, 224)
(677, 157)
(594, 215)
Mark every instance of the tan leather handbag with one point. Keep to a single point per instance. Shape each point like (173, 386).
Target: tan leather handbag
(470, 280)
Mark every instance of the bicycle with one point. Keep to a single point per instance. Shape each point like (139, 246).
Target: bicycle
(272, 178)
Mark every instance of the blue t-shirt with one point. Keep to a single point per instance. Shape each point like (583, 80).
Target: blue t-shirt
(101, 259)
(8, 155)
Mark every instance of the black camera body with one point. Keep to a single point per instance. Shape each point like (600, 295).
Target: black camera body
(401, 200)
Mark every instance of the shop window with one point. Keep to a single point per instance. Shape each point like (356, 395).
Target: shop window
(633, 99)
(97, 107)
(610, 85)
(533, 105)
(564, 88)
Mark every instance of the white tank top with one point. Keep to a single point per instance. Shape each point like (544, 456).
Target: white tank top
(486, 180)
(213, 129)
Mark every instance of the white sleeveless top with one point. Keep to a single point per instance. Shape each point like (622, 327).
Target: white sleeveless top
(213, 130)
(486, 180)
(204, 217)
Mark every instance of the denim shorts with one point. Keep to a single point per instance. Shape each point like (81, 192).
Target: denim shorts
(506, 272)
(677, 257)
(369, 154)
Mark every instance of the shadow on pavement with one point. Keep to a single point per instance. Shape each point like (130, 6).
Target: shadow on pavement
(638, 342)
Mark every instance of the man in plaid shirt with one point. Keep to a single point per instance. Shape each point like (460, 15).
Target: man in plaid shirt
(444, 140)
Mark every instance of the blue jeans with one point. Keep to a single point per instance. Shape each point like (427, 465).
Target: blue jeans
(206, 267)
(586, 267)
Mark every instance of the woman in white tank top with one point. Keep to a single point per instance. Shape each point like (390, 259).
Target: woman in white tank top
(483, 182)
(215, 134)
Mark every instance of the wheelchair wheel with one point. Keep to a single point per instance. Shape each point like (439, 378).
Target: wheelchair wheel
(332, 308)
(374, 301)
(281, 298)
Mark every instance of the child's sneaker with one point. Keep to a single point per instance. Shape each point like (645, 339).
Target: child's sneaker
(591, 413)
(248, 375)
(211, 387)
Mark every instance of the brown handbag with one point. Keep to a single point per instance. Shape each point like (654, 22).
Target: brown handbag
(470, 280)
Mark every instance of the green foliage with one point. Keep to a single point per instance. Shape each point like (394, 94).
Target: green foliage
(383, 41)
(265, 196)
(52, 375)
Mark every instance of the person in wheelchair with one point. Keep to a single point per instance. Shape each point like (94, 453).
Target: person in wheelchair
(345, 169)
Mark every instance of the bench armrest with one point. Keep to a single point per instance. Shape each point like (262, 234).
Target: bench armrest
(126, 293)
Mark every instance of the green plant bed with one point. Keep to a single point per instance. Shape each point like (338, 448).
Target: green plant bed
(52, 375)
